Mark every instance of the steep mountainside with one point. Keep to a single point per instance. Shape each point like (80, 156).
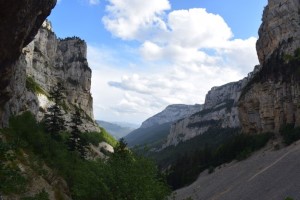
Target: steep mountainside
(115, 130)
(19, 23)
(172, 113)
(219, 110)
(266, 175)
(154, 130)
(44, 63)
(272, 99)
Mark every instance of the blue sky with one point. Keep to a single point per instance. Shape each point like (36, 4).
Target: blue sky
(148, 54)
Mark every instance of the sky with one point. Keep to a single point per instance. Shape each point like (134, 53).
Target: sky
(146, 55)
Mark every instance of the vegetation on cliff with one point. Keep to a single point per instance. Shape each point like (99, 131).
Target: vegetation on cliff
(124, 176)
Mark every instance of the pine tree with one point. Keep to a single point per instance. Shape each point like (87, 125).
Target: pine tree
(54, 121)
(76, 142)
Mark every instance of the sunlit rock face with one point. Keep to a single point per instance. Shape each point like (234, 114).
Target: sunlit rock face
(172, 113)
(47, 61)
(20, 21)
(219, 110)
(272, 99)
(280, 29)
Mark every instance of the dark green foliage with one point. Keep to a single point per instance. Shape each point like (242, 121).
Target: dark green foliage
(278, 68)
(11, 178)
(43, 195)
(54, 121)
(123, 176)
(213, 137)
(152, 137)
(134, 177)
(290, 134)
(289, 198)
(187, 167)
(76, 142)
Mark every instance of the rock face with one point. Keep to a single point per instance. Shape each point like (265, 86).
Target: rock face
(44, 63)
(280, 27)
(219, 110)
(153, 131)
(172, 113)
(272, 99)
(19, 23)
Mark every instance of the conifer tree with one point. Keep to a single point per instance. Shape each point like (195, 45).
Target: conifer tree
(54, 121)
(76, 142)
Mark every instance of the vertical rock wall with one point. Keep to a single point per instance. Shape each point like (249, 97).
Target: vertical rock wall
(45, 62)
(272, 99)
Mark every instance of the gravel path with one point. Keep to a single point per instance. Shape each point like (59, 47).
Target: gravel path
(267, 175)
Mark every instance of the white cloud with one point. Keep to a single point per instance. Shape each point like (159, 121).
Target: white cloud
(132, 19)
(197, 28)
(94, 2)
(193, 50)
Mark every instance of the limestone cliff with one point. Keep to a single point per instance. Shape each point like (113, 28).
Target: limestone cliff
(154, 130)
(20, 21)
(219, 110)
(45, 62)
(272, 99)
(171, 113)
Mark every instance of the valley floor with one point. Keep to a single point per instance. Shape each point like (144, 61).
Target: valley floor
(267, 175)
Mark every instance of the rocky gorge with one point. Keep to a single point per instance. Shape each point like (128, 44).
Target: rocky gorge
(268, 98)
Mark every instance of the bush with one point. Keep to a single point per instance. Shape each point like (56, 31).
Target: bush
(120, 177)
(43, 195)
(289, 198)
(34, 87)
(290, 134)
(95, 138)
(11, 179)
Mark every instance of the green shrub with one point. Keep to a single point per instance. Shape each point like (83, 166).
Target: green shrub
(288, 198)
(43, 195)
(34, 87)
(290, 134)
(95, 138)
(121, 177)
(11, 179)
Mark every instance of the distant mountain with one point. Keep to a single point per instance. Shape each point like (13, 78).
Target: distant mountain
(154, 131)
(153, 136)
(126, 124)
(172, 113)
(117, 130)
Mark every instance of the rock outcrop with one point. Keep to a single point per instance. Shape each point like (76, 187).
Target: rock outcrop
(44, 63)
(272, 99)
(171, 113)
(280, 29)
(219, 110)
(19, 23)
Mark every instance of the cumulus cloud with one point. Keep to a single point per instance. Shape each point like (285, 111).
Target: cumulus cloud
(193, 50)
(135, 19)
